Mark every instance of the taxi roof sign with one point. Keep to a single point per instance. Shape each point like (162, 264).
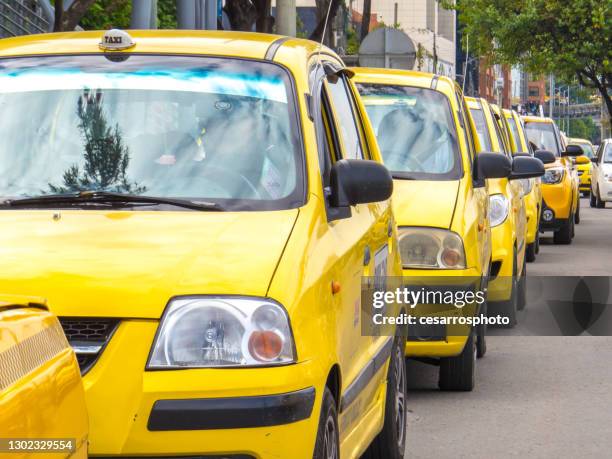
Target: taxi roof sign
(116, 40)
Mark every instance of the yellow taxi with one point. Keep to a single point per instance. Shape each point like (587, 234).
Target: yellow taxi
(532, 189)
(42, 403)
(583, 164)
(507, 216)
(440, 198)
(200, 208)
(560, 198)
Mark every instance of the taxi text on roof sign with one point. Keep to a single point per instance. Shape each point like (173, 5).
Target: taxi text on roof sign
(116, 40)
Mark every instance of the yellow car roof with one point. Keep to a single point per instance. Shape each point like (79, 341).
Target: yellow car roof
(537, 119)
(215, 43)
(474, 102)
(395, 76)
(576, 140)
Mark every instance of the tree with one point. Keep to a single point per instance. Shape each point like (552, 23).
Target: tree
(250, 14)
(365, 19)
(569, 39)
(325, 22)
(68, 19)
(106, 157)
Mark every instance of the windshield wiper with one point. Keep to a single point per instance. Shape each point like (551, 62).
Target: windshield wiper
(108, 197)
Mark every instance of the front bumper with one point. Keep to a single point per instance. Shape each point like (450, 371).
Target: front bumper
(253, 412)
(437, 341)
(549, 220)
(502, 256)
(559, 198)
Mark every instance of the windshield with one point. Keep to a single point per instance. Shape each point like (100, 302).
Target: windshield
(481, 129)
(415, 131)
(515, 133)
(608, 154)
(543, 136)
(221, 130)
(588, 149)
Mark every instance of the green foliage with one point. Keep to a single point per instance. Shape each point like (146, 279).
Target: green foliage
(583, 128)
(166, 14)
(107, 14)
(106, 158)
(568, 38)
(352, 41)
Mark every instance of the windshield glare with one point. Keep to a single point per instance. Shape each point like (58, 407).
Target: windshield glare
(222, 130)
(415, 131)
(543, 136)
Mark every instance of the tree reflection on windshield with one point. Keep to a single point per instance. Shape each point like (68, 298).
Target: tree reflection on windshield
(106, 157)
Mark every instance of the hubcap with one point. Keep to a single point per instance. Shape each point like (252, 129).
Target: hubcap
(400, 396)
(330, 446)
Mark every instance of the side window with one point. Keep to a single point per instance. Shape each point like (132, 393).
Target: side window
(347, 125)
(465, 123)
(500, 136)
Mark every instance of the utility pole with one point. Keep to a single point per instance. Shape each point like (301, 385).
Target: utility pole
(196, 14)
(551, 101)
(144, 14)
(286, 13)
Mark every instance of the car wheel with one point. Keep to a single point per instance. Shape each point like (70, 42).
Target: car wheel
(564, 234)
(530, 252)
(481, 340)
(598, 202)
(522, 288)
(577, 216)
(459, 373)
(592, 200)
(327, 445)
(537, 241)
(390, 443)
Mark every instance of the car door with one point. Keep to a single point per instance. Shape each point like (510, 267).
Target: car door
(361, 242)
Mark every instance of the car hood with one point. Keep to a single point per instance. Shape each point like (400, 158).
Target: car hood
(129, 264)
(424, 203)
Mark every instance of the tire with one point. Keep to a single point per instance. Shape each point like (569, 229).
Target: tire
(481, 341)
(598, 202)
(459, 373)
(577, 216)
(537, 241)
(564, 234)
(327, 445)
(390, 443)
(521, 301)
(592, 200)
(530, 252)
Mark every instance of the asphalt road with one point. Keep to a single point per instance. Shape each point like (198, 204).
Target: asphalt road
(536, 396)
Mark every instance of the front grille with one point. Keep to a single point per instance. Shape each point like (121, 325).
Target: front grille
(88, 337)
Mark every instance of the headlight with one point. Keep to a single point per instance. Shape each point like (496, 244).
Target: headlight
(219, 332)
(553, 175)
(498, 209)
(431, 248)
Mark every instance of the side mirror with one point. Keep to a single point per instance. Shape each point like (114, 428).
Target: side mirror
(358, 181)
(547, 157)
(524, 168)
(492, 165)
(582, 159)
(573, 150)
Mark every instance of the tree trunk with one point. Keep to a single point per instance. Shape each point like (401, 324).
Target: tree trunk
(265, 21)
(317, 33)
(59, 14)
(365, 19)
(241, 14)
(602, 87)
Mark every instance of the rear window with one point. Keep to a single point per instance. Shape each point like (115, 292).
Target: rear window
(415, 131)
